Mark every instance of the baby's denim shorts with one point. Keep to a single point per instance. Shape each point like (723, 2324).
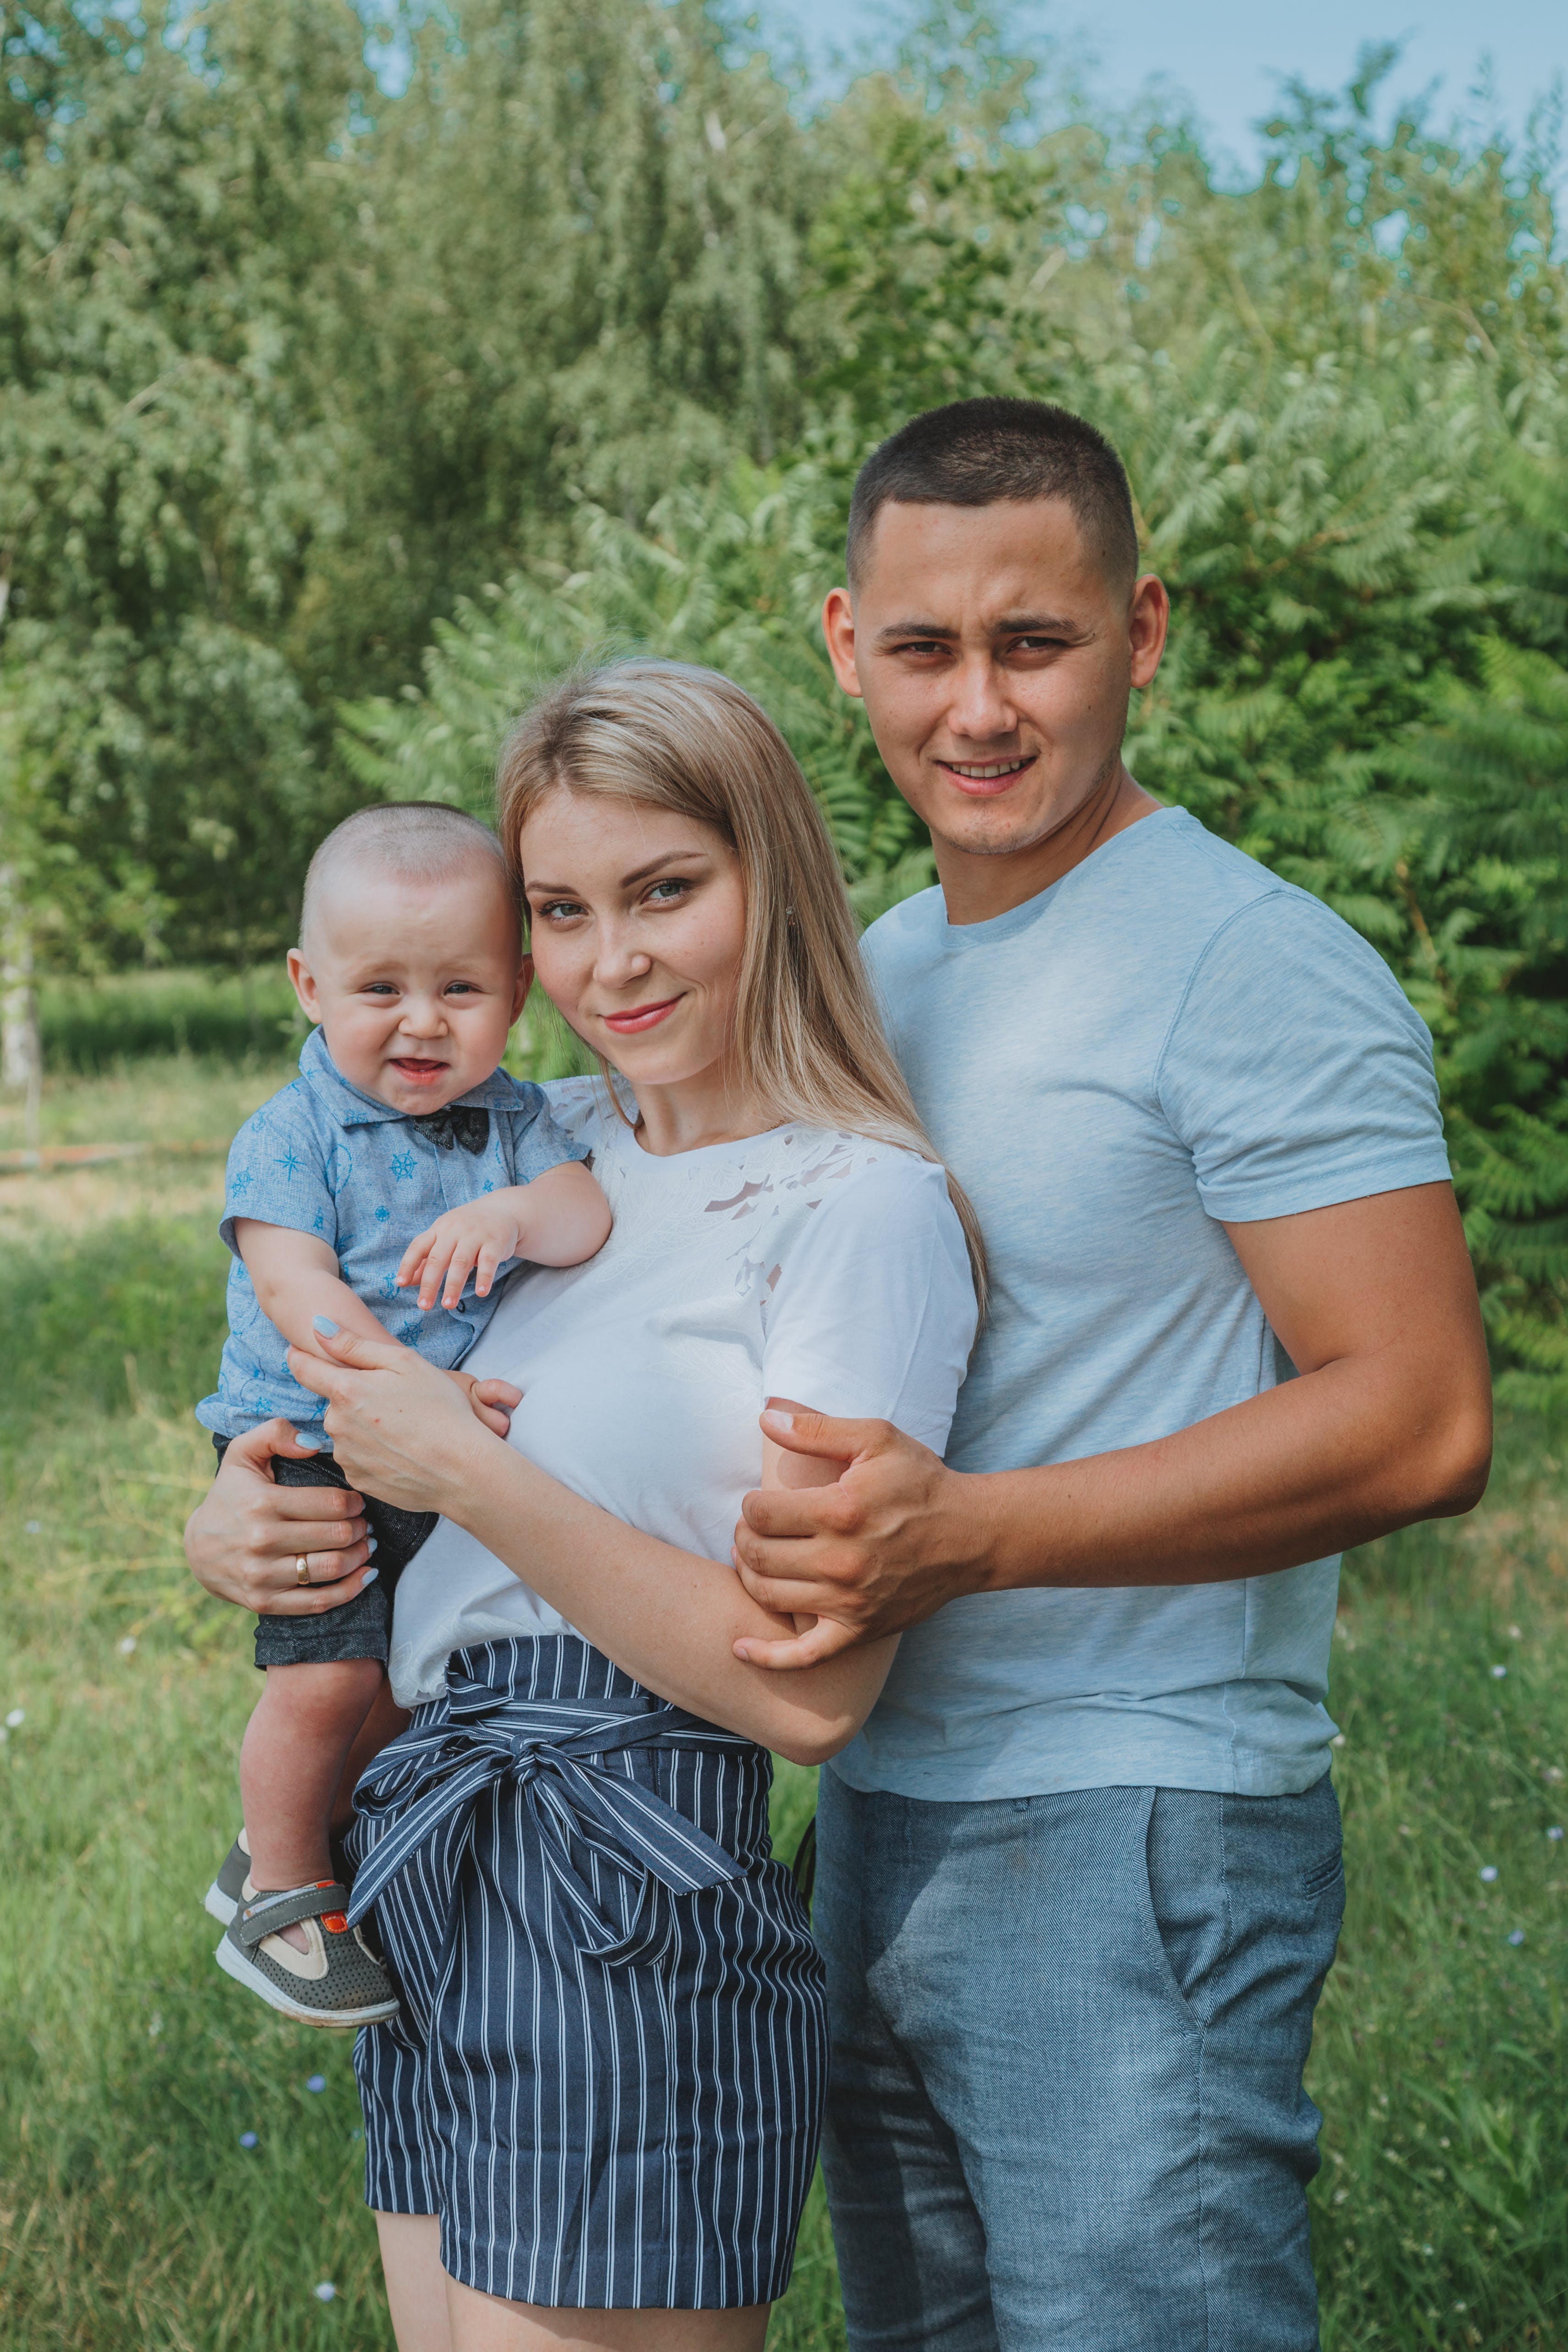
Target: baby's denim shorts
(359, 1628)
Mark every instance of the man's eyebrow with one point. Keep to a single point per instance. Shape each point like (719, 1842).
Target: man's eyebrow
(1008, 625)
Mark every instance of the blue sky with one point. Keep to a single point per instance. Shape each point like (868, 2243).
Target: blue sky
(1228, 55)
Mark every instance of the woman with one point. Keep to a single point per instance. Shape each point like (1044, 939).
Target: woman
(602, 2093)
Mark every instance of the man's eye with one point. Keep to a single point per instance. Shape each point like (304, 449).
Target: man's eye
(923, 646)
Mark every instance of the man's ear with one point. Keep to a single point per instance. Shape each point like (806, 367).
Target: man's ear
(1148, 622)
(839, 630)
(304, 980)
(525, 982)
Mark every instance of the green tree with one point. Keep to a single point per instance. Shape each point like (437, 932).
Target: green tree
(170, 213)
(581, 246)
(1493, 859)
(731, 577)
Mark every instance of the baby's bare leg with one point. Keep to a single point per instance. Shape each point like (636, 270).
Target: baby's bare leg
(296, 1746)
(384, 1722)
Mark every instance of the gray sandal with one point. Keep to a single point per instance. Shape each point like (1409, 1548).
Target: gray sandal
(222, 1897)
(337, 1983)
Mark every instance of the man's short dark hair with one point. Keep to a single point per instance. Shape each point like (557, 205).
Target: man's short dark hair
(975, 453)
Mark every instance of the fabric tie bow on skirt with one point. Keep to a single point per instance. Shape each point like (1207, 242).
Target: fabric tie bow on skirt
(551, 1749)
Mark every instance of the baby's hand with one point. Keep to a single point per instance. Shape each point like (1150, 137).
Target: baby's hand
(494, 1401)
(475, 1240)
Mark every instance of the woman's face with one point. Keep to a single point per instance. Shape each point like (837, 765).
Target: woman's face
(638, 923)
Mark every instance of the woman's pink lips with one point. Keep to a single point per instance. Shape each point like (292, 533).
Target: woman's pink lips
(646, 1016)
(981, 788)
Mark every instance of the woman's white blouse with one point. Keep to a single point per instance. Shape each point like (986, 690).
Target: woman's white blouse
(825, 1268)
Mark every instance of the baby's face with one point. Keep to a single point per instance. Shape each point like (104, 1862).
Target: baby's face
(415, 984)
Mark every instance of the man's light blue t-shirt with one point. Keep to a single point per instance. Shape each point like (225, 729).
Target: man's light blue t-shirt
(321, 1158)
(1166, 1040)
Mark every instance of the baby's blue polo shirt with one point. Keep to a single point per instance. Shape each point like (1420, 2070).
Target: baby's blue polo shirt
(322, 1158)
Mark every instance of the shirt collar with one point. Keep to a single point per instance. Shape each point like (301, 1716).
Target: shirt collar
(350, 1107)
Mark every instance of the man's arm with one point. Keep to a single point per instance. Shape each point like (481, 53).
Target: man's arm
(1389, 1421)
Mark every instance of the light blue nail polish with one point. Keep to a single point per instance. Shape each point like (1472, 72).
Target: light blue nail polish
(308, 1439)
(370, 1544)
(324, 1323)
(369, 1576)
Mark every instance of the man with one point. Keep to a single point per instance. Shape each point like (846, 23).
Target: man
(1079, 1878)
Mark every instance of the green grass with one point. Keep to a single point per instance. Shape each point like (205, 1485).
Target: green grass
(92, 1026)
(131, 2217)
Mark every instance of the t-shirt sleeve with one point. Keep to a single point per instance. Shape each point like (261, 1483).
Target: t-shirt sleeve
(281, 1171)
(1295, 1070)
(538, 1139)
(873, 1312)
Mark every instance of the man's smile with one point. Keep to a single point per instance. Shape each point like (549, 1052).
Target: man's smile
(978, 778)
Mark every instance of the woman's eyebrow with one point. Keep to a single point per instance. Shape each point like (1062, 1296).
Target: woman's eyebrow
(638, 874)
(667, 857)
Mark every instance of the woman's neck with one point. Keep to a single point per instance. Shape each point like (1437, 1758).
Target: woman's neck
(714, 1107)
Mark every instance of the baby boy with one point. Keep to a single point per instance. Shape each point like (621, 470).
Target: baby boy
(385, 1192)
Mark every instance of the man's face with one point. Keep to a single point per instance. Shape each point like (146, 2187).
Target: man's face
(995, 659)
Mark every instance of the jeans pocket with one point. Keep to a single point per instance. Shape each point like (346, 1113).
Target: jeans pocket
(1173, 1921)
(1319, 1877)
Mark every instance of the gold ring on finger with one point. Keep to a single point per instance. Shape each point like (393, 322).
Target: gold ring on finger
(302, 1568)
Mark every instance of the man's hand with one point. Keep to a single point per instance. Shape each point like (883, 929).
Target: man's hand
(890, 1542)
(1388, 1422)
(493, 1402)
(473, 1240)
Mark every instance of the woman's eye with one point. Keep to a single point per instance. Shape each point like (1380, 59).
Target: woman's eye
(668, 893)
(559, 910)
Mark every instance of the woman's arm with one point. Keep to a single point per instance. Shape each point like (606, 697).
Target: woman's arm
(669, 1617)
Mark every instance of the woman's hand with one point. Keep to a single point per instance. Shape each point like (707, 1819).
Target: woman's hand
(245, 1539)
(399, 1427)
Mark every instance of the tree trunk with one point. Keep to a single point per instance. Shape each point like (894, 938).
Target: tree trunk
(21, 1048)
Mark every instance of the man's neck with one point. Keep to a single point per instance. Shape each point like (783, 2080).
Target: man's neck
(977, 889)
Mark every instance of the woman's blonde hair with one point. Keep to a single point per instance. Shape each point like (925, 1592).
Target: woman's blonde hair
(689, 740)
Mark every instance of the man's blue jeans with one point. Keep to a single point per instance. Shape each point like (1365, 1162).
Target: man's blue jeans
(1065, 2112)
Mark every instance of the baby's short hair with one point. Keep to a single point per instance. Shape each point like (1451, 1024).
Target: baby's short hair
(415, 840)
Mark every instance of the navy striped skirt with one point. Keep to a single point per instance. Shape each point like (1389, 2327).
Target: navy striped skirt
(607, 2073)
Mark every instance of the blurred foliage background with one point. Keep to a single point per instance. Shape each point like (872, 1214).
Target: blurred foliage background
(331, 421)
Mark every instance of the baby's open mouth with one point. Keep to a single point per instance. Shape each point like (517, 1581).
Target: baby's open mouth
(418, 1071)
